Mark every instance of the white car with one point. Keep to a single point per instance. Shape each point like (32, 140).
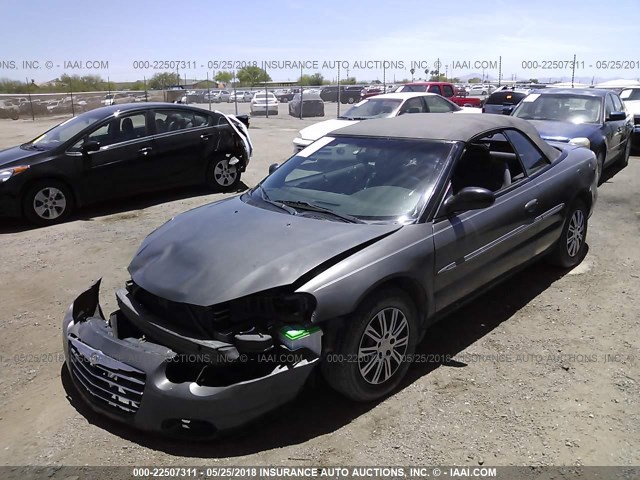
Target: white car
(631, 99)
(264, 102)
(242, 96)
(481, 90)
(380, 106)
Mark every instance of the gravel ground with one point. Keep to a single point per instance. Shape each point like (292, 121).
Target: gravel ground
(542, 370)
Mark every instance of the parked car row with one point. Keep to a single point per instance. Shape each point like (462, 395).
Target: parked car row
(381, 222)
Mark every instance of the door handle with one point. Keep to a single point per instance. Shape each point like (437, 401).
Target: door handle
(144, 151)
(205, 136)
(531, 206)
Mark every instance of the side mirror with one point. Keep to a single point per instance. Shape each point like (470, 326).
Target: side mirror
(469, 198)
(90, 146)
(273, 167)
(244, 119)
(616, 116)
(507, 110)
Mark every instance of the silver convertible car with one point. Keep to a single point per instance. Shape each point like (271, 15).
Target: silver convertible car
(338, 261)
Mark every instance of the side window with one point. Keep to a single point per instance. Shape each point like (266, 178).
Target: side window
(435, 89)
(532, 159)
(448, 90)
(172, 120)
(413, 105)
(617, 104)
(121, 129)
(438, 104)
(608, 107)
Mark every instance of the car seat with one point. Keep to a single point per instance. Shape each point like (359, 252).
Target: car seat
(127, 130)
(477, 168)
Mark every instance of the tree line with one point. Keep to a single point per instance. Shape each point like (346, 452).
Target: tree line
(245, 77)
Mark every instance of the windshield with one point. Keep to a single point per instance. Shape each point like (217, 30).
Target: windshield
(373, 108)
(630, 94)
(560, 107)
(66, 130)
(371, 179)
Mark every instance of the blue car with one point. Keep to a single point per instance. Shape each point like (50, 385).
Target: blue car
(594, 118)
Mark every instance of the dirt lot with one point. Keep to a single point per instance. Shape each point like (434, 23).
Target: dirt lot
(561, 385)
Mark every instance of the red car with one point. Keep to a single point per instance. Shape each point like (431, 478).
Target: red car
(446, 89)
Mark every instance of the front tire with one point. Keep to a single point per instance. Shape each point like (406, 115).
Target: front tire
(571, 247)
(371, 356)
(47, 202)
(221, 176)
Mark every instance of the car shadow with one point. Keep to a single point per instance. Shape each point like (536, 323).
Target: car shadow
(610, 172)
(120, 205)
(318, 410)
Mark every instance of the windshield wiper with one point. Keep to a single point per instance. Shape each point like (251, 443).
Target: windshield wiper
(280, 205)
(317, 208)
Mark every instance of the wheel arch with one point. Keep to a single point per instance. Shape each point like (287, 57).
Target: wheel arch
(405, 283)
(75, 197)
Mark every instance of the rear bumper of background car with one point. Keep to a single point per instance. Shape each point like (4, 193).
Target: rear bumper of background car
(131, 381)
(273, 107)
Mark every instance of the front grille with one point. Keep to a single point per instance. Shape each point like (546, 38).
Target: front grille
(195, 320)
(111, 383)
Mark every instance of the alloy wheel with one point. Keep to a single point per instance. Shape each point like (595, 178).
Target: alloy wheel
(383, 345)
(575, 233)
(225, 174)
(49, 203)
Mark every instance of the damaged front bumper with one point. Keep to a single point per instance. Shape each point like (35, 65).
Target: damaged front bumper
(167, 389)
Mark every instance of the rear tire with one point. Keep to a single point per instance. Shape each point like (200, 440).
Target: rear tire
(221, 176)
(370, 358)
(47, 202)
(571, 247)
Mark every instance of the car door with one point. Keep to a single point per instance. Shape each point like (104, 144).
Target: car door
(184, 140)
(620, 127)
(121, 164)
(613, 130)
(475, 247)
(553, 194)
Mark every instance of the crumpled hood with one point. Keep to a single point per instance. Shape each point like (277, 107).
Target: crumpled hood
(317, 130)
(229, 249)
(15, 156)
(563, 131)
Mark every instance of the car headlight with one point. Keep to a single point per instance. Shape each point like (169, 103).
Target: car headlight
(582, 141)
(11, 172)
